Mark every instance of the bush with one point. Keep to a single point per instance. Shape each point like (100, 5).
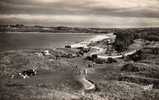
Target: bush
(152, 38)
(111, 60)
(130, 68)
(137, 56)
(123, 40)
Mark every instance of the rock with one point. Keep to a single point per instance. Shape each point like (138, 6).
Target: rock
(84, 50)
(87, 85)
(28, 73)
(39, 54)
(67, 46)
(46, 53)
(148, 87)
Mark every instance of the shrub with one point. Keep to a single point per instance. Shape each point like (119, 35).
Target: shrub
(152, 38)
(123, 40)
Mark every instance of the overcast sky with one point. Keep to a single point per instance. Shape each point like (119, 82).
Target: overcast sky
(83, 13)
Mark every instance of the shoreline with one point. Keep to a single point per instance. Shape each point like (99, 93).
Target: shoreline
(95, 39)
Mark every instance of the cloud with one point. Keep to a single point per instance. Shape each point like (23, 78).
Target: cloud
(133, 8)
(81, 12)
(80, 20)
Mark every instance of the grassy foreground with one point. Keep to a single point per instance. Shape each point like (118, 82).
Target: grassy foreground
(131, 78)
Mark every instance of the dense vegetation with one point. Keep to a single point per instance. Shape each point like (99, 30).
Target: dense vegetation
(125, 38)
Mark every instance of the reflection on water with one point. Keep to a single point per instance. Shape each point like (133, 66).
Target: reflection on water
(46, 40)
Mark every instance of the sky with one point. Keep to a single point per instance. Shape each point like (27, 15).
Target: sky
(81, 13)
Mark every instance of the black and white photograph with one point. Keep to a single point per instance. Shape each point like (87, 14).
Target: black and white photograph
(79, 49)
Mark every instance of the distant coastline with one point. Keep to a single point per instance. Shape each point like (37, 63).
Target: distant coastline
(41, 33)
(64, 29)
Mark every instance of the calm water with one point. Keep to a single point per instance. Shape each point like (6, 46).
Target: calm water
(43, 40)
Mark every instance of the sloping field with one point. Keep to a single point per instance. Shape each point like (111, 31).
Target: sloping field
(125, 79)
